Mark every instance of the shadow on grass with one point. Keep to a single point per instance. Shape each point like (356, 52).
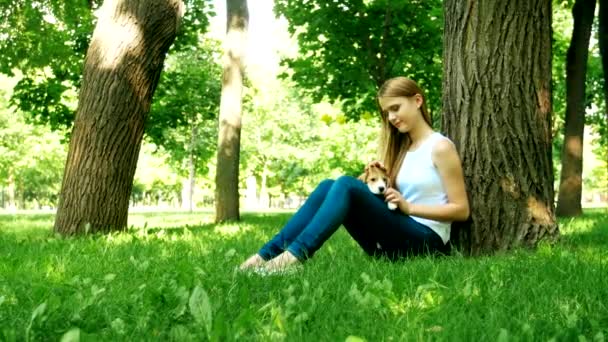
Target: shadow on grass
(589, 230)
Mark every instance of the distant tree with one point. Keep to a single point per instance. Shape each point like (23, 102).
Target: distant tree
(497, 110)
(571, 183)
(121, 72)
(229, 138)
(31, 158)
(183, 119)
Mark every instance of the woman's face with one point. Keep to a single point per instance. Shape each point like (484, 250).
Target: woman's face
(402, 112)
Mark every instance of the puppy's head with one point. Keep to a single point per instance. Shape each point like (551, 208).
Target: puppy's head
(376, 179)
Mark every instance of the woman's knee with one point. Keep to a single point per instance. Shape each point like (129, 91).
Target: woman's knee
(326, 183)
(347, 181)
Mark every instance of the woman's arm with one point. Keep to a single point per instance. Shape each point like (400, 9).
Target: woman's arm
(449, 166)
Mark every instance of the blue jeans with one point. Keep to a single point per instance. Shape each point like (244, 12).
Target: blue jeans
(347, 201)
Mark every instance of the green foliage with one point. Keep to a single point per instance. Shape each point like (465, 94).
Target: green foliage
(194, 23)
(45, 33)
(31, 157)
(177, 283)
(183, 118)
(595, 104)
(46, 42)
(156, 181)
(295, 143)
(349, 48)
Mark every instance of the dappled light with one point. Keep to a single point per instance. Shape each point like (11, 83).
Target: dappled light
(116, 25)
(157, 270)
(544, 103)
(231, 229)
(539, 211)
(574, 146)
(55, 269)
(129, 128)
(508, 185)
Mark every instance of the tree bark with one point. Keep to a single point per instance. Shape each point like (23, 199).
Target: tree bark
(122, 69)
(571, 181)
(497, 110)
(229, 138)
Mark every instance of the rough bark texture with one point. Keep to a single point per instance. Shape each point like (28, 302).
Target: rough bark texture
(122, 69)
(229, 138)
(571, 182)
(497, 110)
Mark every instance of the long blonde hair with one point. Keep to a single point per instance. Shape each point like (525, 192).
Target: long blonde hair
(394, 144)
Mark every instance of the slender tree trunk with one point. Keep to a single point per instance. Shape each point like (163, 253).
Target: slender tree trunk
(497, 110)
(192, 166)
(229, 138)
(264, 197)
(122, 68)
(10, 192)
(571, 182)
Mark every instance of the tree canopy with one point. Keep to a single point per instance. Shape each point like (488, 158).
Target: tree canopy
(349, 48)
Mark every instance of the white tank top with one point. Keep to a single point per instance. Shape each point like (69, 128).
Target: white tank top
(419, 182)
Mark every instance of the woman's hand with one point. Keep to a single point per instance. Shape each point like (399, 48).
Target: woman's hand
(393, 196)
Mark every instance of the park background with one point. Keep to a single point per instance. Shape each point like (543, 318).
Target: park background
(290, 141)
(529, 265)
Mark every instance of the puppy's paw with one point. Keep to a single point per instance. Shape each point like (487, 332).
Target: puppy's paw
(392, 206)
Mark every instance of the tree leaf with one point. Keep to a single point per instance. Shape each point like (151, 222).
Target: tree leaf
(200, 307)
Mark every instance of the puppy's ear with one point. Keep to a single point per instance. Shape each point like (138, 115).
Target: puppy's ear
(363, 176)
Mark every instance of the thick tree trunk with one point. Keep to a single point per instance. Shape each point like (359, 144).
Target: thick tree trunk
(497, 110)
(122, 69)
(571, 182)
(229, 138)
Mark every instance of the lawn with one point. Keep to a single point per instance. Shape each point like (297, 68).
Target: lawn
(170, 278)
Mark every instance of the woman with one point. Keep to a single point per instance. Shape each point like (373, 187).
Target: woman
(427, 185)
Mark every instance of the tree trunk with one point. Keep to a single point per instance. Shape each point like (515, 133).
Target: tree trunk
(571, 182)
(264, 201)
(192, 167)
(10, 192)
(122, 68)
(229, 137)
(497, 110)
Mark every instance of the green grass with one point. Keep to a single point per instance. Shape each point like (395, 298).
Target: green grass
(170, 279)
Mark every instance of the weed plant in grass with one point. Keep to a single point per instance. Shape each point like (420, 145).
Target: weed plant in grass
(170, 278)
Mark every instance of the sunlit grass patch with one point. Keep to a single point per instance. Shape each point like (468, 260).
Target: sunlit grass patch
(172, 281)
(174, 219)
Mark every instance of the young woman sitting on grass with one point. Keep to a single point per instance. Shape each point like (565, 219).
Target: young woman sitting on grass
(427, 185)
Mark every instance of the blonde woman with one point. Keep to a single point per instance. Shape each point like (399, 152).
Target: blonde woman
(427, 185)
